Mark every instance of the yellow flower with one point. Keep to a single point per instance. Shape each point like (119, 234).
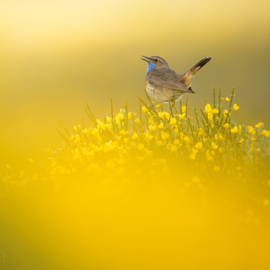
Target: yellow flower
(263, 132)
(75, 128)
(137, 120)
(167, 115)
(259, 125)
(208, 108)
(198, 145)
(208, 155)
(120, 116)
(227, 99)
(122, 132)
(214, 146)
(172, 121)
(187, 140)
(129, 115)
(193, 153)
(250, 129)
(234, 129)
(108, 119)
(226, 125)
(210, 116)
(144, 109)
(152, 127)
(160, 125)
(215, 111)
(240, 141)
(164, 136)
(225, 112)
(200, 131)
(158, 105)
(184, 109)
(134, 136)
(216, 168)
(235, 107)
(148, 137)
(173, 148)
(182, 116)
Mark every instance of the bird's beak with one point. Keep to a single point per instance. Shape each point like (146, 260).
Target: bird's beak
(147, 59)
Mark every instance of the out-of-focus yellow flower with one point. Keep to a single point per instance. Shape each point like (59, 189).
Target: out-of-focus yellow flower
(260, 124)
(240, 141)
(184, 109)
(216, 168)
(144, 109)
(173, 148)
(235, 107)
(234, 129)
(227, 99)
(200, 131)
(225, 112)
(164, 135)
(75, 128)
(267, 134)
(137, 120)
(120, 116)
(182, 116)
(250, 129)
(186, 139)
(172, 121)
(123, 132)
(167, 115)
(193, 153)
(108, 119)
(148, 136)
(208, 156)
(263, 132)
(198, 145)
(215, 111)
(158, 105)
(152, 128)
(129, 115)
(161, 125)
(135, 136)
(214, 145)
(85, 131)
(210, 116)
(141, 146)
(208, 108)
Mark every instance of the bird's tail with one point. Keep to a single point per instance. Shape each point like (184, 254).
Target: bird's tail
(189, 75)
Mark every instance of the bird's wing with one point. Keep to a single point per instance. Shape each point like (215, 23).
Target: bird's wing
(167, 78)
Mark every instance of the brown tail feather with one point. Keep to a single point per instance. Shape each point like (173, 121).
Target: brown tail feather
(189, 75)
(199, 65)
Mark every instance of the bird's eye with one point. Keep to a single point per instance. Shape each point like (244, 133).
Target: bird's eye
(156, 60)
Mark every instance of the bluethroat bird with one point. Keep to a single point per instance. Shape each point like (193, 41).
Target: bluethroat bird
(164, 84)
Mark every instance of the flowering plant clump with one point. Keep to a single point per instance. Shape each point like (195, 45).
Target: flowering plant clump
(211, 142)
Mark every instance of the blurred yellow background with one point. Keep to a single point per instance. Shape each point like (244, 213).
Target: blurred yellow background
(56, 55)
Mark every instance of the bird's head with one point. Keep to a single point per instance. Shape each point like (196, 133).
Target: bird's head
(155, 62)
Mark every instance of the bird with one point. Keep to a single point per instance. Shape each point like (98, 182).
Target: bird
(164, 84)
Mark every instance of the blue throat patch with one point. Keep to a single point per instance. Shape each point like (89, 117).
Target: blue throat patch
(150, 65)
